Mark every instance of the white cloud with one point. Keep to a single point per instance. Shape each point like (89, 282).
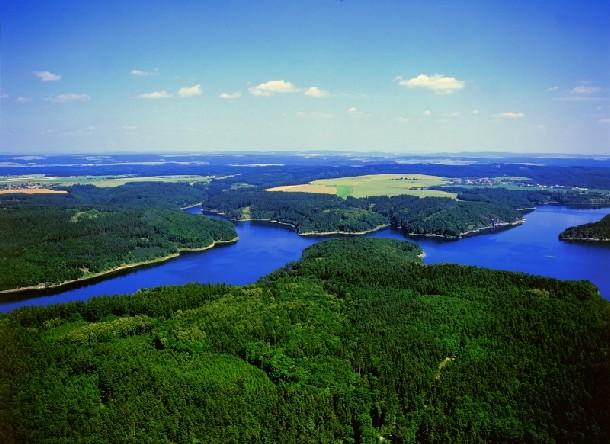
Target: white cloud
(143, 73)
(47, 76)
(314, 91)
(585, 90)
(156, 95)
(190, 91)
(230, 95)
(402, 119)
(22, 99)
(272, 87)
(510, 115)
(553, 89)
(605, 120)
(427, 113)
(475, 111)
(69, 97)
(437, 83)
(130, 128)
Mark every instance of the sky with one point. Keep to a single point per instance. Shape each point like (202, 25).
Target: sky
(391, 76)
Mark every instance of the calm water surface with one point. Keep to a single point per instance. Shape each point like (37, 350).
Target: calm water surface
(532, 248)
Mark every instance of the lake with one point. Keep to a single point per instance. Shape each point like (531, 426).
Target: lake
(263, 247)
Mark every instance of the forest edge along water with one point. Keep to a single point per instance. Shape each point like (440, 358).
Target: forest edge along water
(532, 247)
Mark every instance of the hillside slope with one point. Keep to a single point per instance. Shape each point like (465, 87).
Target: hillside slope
(356, 342)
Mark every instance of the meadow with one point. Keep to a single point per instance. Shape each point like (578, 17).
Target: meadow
(374, 185)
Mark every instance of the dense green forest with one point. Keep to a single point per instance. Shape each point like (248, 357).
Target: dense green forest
(376, 348)
(309, 212)
(53, 244)
(441, 216)
(306, 212)
(595, 231)
(136, 194)
(528, 199)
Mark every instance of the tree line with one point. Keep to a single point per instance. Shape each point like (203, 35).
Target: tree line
(50, 244)
(310, 212)
(594, 231)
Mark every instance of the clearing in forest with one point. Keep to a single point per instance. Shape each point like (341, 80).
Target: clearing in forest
(373, 185)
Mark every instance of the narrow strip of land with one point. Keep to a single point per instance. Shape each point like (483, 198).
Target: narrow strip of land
(115, 270)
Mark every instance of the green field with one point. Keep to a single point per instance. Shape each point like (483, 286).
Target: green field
(374, 185)
(98, 181)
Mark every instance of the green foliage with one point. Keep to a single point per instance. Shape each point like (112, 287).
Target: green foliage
(442, 216)
(309, 212)
(325, 350)
(106, 331)
(595, 231)
(50, 245)
(531, 198)
(135, 194)
(306, 212)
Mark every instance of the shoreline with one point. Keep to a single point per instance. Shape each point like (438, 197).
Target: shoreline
(347, 233)
(463, 234)
(585, 239)
(308, 233)
(198, 204)
(488, 228)
(115, 270)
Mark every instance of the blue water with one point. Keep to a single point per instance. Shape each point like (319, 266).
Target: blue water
(532, 247)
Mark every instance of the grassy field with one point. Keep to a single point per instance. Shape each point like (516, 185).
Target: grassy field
(32, 191)
(374, 185)
(98, 181)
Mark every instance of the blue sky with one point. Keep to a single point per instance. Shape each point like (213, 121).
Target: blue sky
(395, 76)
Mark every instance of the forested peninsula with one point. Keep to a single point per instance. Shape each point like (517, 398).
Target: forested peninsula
(50, 246)
(592, 232)
(377, 348)
(311, 214)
